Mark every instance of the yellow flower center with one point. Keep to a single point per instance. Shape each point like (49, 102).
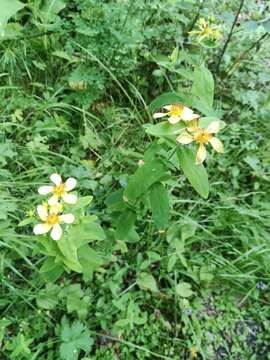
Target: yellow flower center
(59, 190)
(52, 219)
(177, 110)
(202, 137)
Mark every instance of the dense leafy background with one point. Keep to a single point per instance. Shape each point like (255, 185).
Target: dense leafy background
(76, 78)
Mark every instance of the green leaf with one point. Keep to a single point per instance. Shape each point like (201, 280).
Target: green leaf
(89, 260)
(183, 289)
(196, 174)
(68, 249)
(26, 221)
(143, 178)
(8, 9)
(84, 233)
(165, 99)
(124, 224)
(203, 85)
(82, 202)
(159, 201)
(147, 281)
(164, 128)
(50, 270)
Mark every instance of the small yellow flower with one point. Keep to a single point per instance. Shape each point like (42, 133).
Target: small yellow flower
(206, 30)
(202, 136)
(60, 190)
(193, 352)
(176, 113)
(52, 218)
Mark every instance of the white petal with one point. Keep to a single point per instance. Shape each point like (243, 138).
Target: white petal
(56, 232)
(69, 198)
(185, 138)
(67, 218)
(56, 179)
(56, 208)
(53, 200)
(217, 144)
(41, 229)
(188, 114)
(167, 107)
(174, 119)
(70, 184)
(201, 154)
(213, 127)
(44, 190)
(159, 115)
(42, 212)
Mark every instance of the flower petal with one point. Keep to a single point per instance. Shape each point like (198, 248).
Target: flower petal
(185, 138)
(70, 184)
(41, 229)
(167, 107)
(69, 198)
(56, 232)
(213, 127)
(217, 144)
(42, 212)
(67, 218)
(44, 190)
(159, 115)
(56, 179)
(174, 119)
(53, 200)
(201, 154)
(56, 208)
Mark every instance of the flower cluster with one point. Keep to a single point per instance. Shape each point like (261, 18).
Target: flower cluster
(192, 131)
(51, 212)
(206, 31)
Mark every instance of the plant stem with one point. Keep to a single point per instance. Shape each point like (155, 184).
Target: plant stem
(230, 35)
(245, 53)
(195, 18)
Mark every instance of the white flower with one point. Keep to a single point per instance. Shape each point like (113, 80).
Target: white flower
(177, 112)
(202, 137)
(52, 220)
(60, 190)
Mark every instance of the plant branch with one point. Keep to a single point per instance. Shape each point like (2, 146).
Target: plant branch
(230, 35)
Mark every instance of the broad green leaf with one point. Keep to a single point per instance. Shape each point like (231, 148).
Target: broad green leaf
(84, 233)
(205, 121)
(50, 270)
(124, 224)
(183, 289)
(68, 249)
(203, 85)
(193, 101)
(159, 201)
(147, 281)
(90, 261)
(165, 99)
(82, 202)
(143, 178)
(8, 9)
(164, 128)
(196, 174)
(188, 230)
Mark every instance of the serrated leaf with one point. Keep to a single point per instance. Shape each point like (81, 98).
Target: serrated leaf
(50, 270)
(159, 201)
(196, 174)
(90, 261)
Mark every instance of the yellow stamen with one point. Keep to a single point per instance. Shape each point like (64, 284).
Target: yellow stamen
(202, 137)
(177, 110)
(59, 190)
(52, 219)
